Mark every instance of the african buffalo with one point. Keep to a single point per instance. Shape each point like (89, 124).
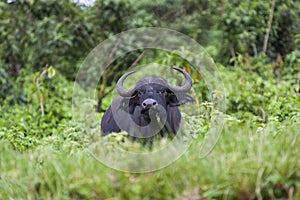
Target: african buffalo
(150, 108)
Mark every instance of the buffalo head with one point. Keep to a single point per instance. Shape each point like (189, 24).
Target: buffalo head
(149, 108)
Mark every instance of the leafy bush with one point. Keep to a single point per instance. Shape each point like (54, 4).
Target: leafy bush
(43, 151)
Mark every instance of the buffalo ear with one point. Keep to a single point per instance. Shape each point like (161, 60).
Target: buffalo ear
(179, 99)
(187, 99)
(172, 99)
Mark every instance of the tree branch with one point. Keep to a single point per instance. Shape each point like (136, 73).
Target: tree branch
(269, 27)
(138, 59)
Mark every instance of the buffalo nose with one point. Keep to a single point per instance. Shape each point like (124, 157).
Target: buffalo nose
(149, 103)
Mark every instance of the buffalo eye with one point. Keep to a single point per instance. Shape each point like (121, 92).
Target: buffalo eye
(142, 92)
(161, 91)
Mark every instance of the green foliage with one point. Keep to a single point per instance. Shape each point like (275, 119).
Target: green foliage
(6, 84)
(59, 33)
(43, 151)
(46, 112)
(260, 97)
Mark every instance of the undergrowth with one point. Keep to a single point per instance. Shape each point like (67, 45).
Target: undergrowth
(257, 156)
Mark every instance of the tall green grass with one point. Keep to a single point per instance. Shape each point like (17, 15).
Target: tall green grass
(256, 157)
(246, 163)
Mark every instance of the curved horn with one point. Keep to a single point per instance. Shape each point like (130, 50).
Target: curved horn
(188, 82)
(120, 89)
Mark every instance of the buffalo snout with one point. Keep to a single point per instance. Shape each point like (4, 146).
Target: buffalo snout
(148, 103)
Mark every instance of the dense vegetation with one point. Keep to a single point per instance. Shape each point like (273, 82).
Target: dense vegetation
(256, 48)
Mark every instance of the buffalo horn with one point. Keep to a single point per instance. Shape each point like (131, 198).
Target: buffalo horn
(120, 89)
(188, 82)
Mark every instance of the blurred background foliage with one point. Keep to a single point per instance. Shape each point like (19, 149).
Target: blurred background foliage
(35, 34)
(255, 45)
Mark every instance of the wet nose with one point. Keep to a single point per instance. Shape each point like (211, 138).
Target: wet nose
(147, 103)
